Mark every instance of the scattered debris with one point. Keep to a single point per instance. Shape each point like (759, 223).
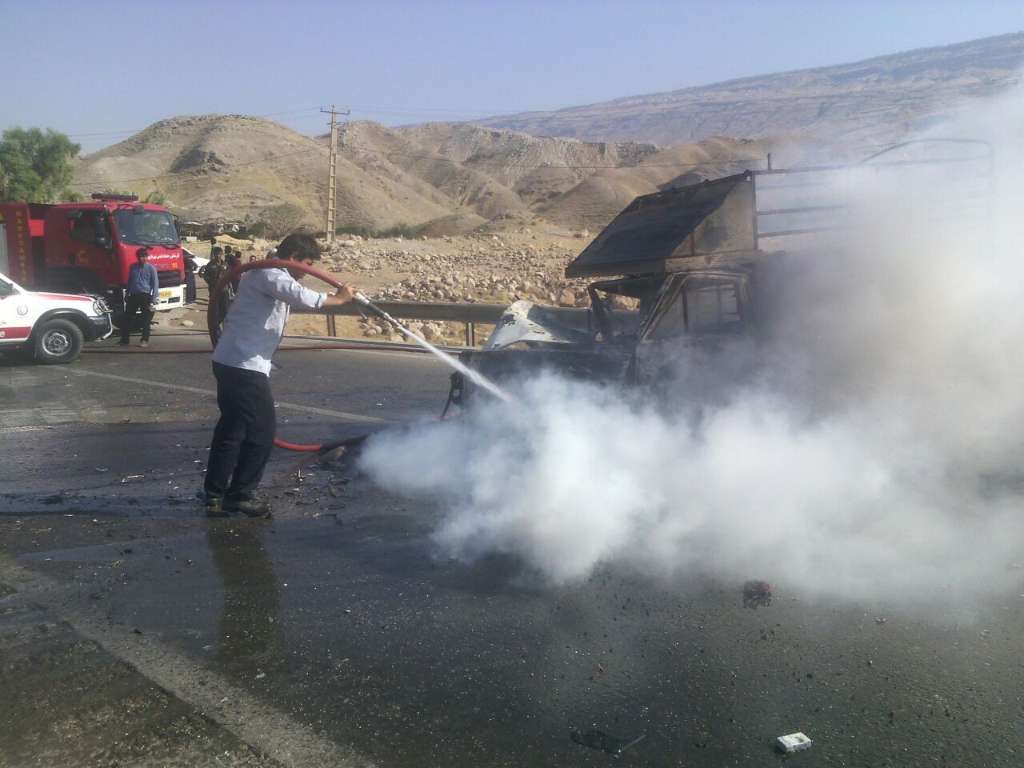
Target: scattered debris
(793, 742)
(757, 594)
(126, 478)
(880, 620)
(613, 745)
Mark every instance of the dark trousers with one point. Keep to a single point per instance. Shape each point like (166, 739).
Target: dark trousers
(133, 304)
(190, 287)
(244, 435)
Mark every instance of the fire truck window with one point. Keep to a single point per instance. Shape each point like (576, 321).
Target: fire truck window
(84, 228)
(146, 227)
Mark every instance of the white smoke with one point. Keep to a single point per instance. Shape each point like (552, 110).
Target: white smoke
(876, 448)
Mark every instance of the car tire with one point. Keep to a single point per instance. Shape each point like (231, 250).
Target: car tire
(57, 341)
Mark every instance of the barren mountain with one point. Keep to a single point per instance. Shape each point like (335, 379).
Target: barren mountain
(442, 178)
(876, 100)
(240, 168)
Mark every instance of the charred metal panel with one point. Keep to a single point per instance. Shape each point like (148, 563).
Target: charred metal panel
(667, 231)
(525, 321)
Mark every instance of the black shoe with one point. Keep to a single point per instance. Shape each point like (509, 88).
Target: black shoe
(254, 507)
(214, 506)
(123, 342)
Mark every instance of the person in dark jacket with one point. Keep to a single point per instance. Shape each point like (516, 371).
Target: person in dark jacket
(190, 278)
(141, 296)
(214, 267)
(232, 260)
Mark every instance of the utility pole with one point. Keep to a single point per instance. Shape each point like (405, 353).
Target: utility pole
(332, 173)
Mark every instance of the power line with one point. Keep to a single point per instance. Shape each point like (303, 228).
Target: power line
(469, 162)
(744, 164)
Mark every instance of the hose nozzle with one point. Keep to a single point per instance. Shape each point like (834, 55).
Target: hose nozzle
(359, 297)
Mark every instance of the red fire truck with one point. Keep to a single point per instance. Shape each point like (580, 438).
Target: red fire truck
(88, 247)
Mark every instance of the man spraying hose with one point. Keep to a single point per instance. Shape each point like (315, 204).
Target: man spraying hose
(244, 435)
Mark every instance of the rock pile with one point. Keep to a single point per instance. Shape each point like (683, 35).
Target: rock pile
(461, 269)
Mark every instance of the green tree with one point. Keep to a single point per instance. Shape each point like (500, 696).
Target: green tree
(35, 166)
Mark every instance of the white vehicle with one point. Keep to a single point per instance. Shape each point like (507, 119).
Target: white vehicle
(50, 326)
(201, 261)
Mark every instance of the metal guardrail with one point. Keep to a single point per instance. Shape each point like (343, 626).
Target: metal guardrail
(468, 314)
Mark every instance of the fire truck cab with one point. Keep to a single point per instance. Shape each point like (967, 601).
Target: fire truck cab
(88, 247)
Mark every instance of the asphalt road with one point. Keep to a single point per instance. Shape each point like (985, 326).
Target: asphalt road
(133, 631)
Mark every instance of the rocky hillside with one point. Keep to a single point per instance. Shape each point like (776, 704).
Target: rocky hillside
(505, 176)
(231, 167)
(876, 100)
(440, 179)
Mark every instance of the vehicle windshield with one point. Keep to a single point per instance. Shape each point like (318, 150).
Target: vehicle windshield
(146, 227)
(701, 306)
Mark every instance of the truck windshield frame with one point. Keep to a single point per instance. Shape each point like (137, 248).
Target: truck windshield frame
(146, 227)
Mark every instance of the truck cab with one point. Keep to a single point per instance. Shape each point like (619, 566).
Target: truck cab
(88, 247)
(679, 272)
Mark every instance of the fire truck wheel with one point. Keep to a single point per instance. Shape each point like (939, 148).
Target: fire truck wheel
(58, 341)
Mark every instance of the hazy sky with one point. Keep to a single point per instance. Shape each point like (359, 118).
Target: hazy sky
(111, 68)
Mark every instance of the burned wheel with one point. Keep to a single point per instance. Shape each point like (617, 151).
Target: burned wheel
(58, 341)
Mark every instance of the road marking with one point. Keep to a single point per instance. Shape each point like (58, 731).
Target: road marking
(199, 391)
(31, 428)
(254, 721)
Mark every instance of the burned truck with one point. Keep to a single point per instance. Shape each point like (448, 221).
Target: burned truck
(697, 267)
(681, 268)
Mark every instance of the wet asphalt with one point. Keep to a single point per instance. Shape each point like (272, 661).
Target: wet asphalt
(336, 634)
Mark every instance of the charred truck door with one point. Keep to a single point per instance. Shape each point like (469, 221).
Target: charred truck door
(697, 315)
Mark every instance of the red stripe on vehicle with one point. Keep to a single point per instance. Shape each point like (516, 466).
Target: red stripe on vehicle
(17, 332)
(63, 296)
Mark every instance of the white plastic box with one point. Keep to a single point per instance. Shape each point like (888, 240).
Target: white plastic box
(794, 742)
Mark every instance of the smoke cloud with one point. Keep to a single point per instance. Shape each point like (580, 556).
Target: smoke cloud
(870, 445)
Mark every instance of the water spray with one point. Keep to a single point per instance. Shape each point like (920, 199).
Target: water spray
(469, 373)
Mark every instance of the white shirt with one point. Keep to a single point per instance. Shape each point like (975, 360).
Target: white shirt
(255, 323)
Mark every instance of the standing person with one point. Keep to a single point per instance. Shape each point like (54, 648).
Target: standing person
(231, 261)
(190, 278)
(143, 293)
(244, 435)
(214, 268)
